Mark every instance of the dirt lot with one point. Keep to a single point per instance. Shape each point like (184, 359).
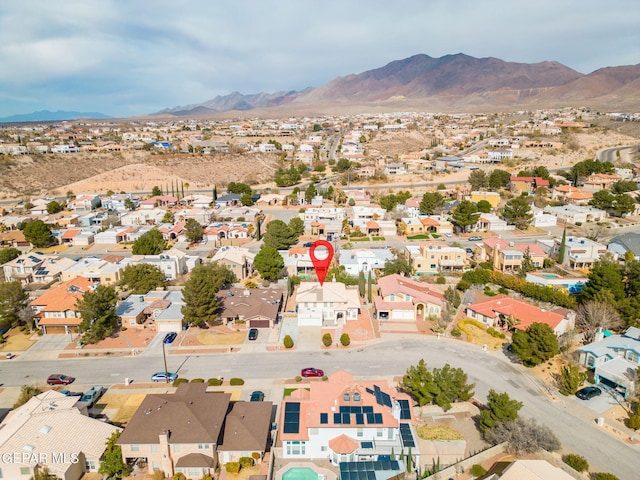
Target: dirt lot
(15, 341)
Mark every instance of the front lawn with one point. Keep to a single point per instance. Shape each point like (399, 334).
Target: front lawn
(438, 432)
(419, 237)
(477, 333)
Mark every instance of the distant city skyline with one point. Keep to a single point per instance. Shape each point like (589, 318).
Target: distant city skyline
(132, 58)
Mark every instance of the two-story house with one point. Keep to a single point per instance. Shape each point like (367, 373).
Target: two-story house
(237, 259)
(520, 185)
(579, 252)
(56, 309)
(192, 431)
(431, 258)
(600, 181)
(327, 305)
(614, 359)
(507, 256)
(346, 420)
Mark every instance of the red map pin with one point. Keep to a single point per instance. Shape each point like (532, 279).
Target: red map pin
(321, 265)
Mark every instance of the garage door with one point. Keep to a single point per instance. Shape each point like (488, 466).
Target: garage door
(55, 329)
(402, 315)
(259, 324)
(168, 327)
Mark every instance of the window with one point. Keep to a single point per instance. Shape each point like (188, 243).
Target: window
(24, 471)
(379, 432)
(154, 448)
(155, 465)
(591, 361)
(323, 448)
(313, 431)
(135, 448)
(89, 464)
(347, 397)
(203, 446)
(359, 432)
(392, 297)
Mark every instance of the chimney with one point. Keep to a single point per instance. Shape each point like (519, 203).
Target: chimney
(599, 336)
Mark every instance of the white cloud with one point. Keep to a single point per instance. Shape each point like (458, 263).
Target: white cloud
(127, 58)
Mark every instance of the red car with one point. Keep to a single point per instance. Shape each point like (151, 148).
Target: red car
(312, 372)
(59, 379)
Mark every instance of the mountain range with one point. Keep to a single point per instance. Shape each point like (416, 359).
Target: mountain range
(47, 116)
(452, 83)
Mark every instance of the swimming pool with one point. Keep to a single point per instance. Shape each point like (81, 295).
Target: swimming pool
(300, 474)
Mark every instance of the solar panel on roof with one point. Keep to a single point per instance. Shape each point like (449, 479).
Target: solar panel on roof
(324, 418)
(394, 465)
(366, 444)
(371, 475)
(360, 418)
(291, 417)
(367, 409)
(369, 390)
(371, 418)
(346, 419)
(337, 418)
(378, 418)
(405, 411)
(406, 435)
(344, 409)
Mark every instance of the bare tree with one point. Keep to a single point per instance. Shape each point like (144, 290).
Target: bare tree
(523, 436)
(593, 314)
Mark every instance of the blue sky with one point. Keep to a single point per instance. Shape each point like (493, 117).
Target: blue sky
(124, 58)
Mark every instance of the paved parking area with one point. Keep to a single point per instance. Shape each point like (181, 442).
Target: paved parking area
(53, 342)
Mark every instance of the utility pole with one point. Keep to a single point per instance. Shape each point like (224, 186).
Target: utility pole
(164, 357)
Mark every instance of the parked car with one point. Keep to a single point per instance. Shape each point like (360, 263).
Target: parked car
(164, 376)
(170, 337)
(307, 244)
(9, 356)
(311, 372)
(257, 396)
(92, 395)
(475, 238)
(587, 393)
(253, 334)
(469, 251)
(448, 235)
(59, 379)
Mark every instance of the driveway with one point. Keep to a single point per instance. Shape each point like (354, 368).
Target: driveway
(52, 342)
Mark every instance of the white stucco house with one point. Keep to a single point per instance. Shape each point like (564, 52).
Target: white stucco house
(327, 305)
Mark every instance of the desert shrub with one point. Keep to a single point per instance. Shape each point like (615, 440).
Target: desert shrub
(327, 340)
(477, 470)
(197, 380)
(236, 381)
(437, 329)
(214, 382)
(246, 462)
(178, 381)
(345, 340)
(158, 475)
(232, 467)
(603, 476)
(634, 419)
(179, 476)
(455, 332)
(578, 224)
(256, 455)
(441, 280)
(325, 378)
(298, 378)
(577, 462)
(288, 342)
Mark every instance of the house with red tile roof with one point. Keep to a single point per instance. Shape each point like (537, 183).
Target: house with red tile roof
(346, 420)
(571, 194)
(502, 310)
(519, 185)
(507, 256)
(56, 309)
(406, 300)
(600, 181)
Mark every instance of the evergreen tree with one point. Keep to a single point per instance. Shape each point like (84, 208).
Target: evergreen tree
(98, 311)
(156, 191)
(8, 254)
(518, 211)
(215, 193)
(501, 408)
(361, 284)
(296, 225)
(527, 264)
(13, 302)
(151, 243)
(465, 215)
(563, 245)
(193, 230)
(111, 463)
(269, 263)
(571, 379)
(369, 289)
(478, 180)
(142, 278)
(430, 202)
(200, 293)
(38, 233)
(535, 345)
(452, 296)
(279, 236)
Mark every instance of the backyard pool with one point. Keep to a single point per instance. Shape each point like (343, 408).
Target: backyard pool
(300, 474)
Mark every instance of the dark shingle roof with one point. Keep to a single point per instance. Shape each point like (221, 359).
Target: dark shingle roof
(191, 415)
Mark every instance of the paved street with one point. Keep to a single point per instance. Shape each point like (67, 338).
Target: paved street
(569, 418)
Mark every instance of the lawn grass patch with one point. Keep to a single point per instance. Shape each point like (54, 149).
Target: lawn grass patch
(438, 432)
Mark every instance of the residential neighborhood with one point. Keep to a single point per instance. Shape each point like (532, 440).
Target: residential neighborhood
(180, 328)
